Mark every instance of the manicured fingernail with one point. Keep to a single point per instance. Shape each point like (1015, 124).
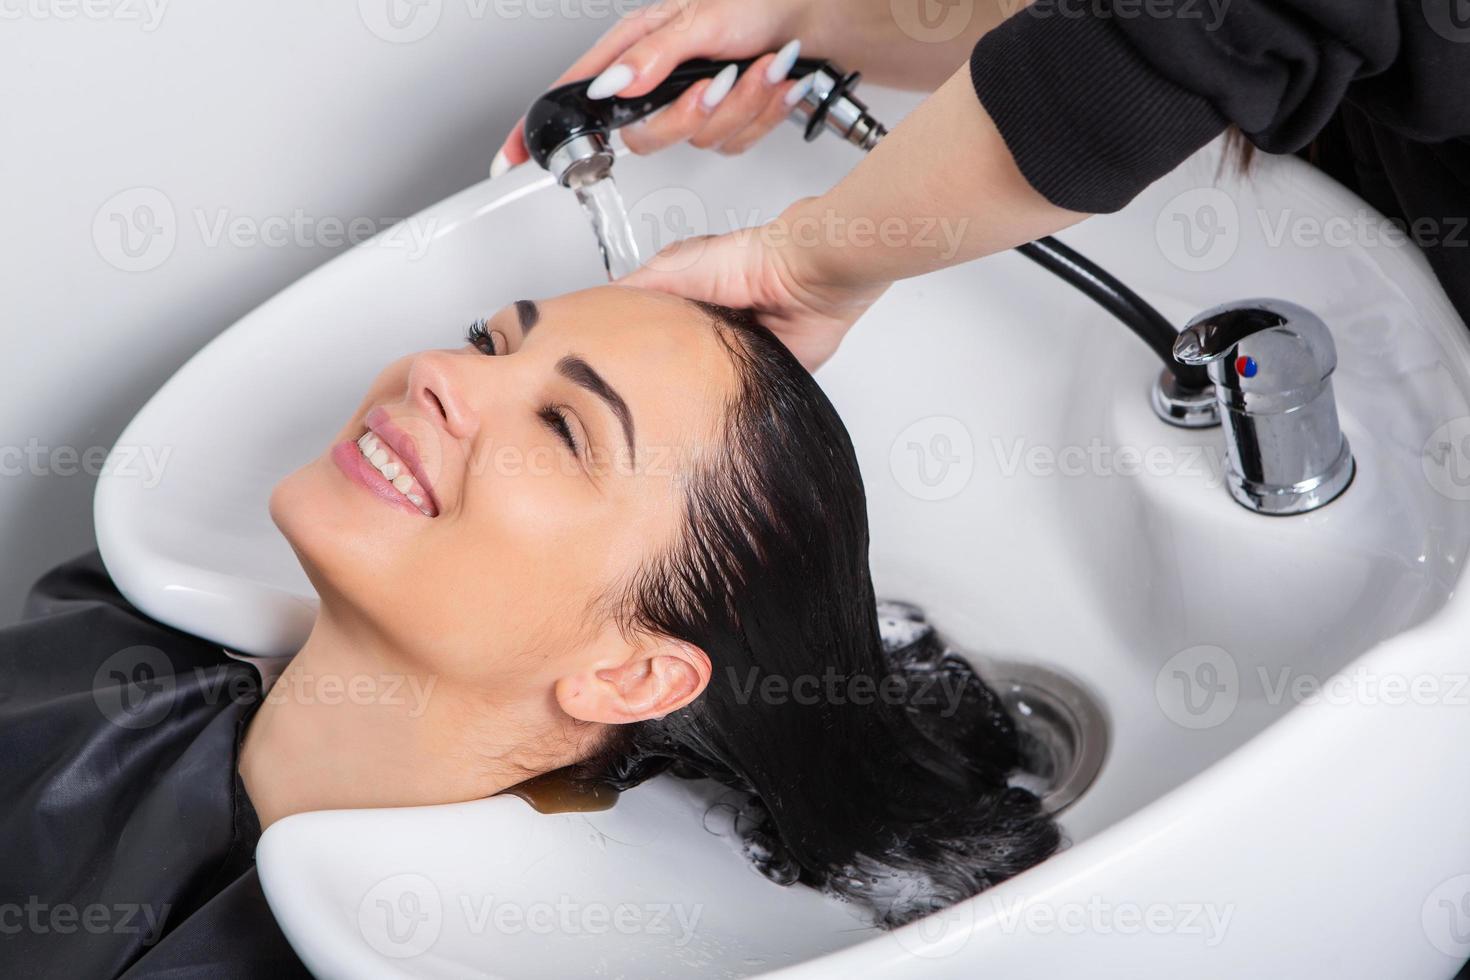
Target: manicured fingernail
(720, 86)
(779, 68)
(800, 89)
(610, 82)
(499, 165)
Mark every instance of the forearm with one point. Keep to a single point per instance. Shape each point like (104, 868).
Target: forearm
(898, 44)
(941, 189)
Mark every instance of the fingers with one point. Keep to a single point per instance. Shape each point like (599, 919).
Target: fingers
(707, 267)
(675, 122)
(747, 106)
(623, 36)
(776, 109)
(672, 35)
(747, 100)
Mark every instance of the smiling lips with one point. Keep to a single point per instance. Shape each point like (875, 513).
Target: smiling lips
(385, 461)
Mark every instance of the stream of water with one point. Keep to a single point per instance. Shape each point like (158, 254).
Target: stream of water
(609, 216)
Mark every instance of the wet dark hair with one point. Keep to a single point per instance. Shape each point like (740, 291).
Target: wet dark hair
(867, 780)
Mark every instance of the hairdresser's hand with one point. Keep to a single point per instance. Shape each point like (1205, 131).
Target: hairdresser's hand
(941, 189)
(771, 271)
(722, 113)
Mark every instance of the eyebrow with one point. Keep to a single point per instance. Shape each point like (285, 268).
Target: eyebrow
(528, 313)
(580, 373)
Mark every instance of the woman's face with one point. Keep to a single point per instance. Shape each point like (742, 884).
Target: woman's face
(481, 500)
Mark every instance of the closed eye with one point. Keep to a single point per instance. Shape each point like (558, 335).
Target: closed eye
(483, 340)
(555, 418)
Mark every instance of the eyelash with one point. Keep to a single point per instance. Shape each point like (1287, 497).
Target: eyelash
(553, 416)
(481, 339)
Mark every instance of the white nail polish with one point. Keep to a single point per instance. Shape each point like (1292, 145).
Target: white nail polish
(800, 89)
(610, 82)
(499, 165)
(720, 86)
(780, 67)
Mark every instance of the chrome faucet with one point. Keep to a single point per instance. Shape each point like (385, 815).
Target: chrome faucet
(1271, 362)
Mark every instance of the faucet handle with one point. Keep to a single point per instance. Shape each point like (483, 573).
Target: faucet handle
(1272, 363)
(1264, 347)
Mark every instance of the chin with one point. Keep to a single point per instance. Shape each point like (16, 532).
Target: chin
(351, 546)
(331, 526)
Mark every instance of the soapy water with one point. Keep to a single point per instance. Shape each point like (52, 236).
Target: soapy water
(604, 207)
(1063, 733)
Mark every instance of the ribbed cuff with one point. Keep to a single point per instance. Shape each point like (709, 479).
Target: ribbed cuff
(1089, 122)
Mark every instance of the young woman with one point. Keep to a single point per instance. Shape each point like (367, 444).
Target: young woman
(584, 543)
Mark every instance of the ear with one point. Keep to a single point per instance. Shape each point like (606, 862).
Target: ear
(648, 681)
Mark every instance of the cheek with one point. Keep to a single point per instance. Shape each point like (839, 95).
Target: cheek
(506, 583)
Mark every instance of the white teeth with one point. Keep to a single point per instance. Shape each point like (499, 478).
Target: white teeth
(393, 471)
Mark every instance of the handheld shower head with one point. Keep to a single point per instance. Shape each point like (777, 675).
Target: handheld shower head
(567, 132)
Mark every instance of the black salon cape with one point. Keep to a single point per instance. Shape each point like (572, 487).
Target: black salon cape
(127, 843)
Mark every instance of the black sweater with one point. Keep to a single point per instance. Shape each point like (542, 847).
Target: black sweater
(1098, 98)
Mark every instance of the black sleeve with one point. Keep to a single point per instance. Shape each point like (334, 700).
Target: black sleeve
(1098, 99)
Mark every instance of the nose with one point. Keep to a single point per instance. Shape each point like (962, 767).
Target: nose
(437, 389)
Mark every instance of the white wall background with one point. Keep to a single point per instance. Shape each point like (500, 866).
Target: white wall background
(167, 165)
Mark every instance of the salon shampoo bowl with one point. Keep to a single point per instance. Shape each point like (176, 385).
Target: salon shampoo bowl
(1284, 792)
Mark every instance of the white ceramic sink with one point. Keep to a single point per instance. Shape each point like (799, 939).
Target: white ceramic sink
(1022, 491)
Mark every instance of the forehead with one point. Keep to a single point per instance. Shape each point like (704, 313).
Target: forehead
(660, 352)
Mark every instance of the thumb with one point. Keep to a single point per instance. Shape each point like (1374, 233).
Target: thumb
(684, 268)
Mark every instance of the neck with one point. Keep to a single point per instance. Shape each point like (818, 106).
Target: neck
(348, 726)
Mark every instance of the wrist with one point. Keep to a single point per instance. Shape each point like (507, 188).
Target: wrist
(824, 249)
(809, 263)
